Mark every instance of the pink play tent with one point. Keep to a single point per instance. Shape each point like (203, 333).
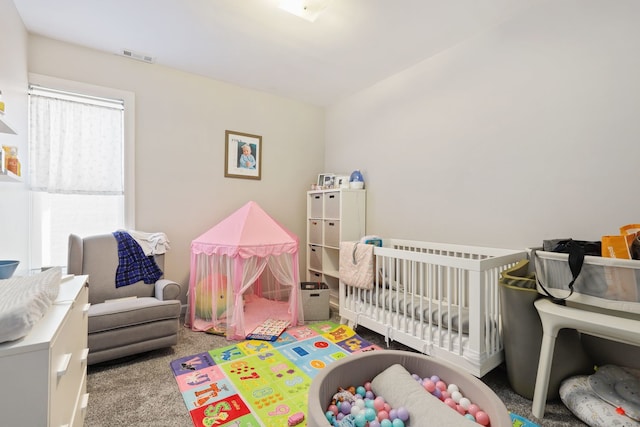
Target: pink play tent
(244, 271)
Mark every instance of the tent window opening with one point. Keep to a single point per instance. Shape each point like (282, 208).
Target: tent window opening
(76, 169)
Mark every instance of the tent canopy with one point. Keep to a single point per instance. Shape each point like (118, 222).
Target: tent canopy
(247, 232)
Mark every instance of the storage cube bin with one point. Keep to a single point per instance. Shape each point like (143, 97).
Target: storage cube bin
(315, 301)
(315, 231)
(332, 233)
(314, 276)
(315, 257)
(315, 205)
(332, 204)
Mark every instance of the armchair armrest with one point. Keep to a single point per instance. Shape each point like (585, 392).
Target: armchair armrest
(167, 290)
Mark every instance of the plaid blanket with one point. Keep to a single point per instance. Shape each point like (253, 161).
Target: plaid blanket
(133, 265)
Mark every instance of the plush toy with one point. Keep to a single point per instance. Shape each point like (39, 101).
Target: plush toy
(205, 290)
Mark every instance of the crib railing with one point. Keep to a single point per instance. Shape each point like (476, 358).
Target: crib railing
(438, 299)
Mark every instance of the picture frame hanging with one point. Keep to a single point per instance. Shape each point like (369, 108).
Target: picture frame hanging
(242, 155)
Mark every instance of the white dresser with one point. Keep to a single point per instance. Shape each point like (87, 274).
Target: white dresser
(43, 376)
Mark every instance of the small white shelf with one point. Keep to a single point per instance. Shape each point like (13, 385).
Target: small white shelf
(5, 128)
(9, 176)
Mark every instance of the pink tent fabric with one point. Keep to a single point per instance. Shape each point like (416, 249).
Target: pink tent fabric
(247, 251)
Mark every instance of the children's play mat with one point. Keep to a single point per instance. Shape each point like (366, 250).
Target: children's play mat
(261, 383)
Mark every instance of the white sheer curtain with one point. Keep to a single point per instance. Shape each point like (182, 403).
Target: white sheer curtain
(76, 170)
(75, 145)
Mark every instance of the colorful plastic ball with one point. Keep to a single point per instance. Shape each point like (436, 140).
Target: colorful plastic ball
(473, 409)
(369, 395)
(429, 385)
(378, 403)
(465, 403)
(386, 423)
(435, 378)
(333, 409)
(360, 420)
(397, 423)
(416, 377)
(437, 393)
(369, 403)
(383, 415)
(450, 403)
(393, 414)
(361, 391)
(387, 407)
(452, 387)
(461, 410)
(444, 394)
(345, 408)
(403, 413)
(441, 385)
(330, 416)
(355, 410)
(374, 423)
(482, 418)
(470, 417)
(370, 414)
(456, 395)
(340, 416)
(367, 386)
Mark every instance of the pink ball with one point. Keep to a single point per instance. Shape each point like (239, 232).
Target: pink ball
(367, 386)
(441, 385)
(387, 407)
(334, 409)
(482, 418)
(383, 415)
(473, 409)
(378, 403)
(429, 385)
(460, 409)
(445, 394)
(450, 403)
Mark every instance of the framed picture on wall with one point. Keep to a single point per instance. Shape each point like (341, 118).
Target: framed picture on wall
(242, 155)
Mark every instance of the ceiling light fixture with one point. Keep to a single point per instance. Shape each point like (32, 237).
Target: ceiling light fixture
(305, 9)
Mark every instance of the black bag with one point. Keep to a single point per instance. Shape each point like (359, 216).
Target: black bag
(577, 249)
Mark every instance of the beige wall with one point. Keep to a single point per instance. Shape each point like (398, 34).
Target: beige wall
(180, 126)
(13, 84)
(525, 132)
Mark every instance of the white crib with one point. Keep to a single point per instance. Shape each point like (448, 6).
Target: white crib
(439, 299)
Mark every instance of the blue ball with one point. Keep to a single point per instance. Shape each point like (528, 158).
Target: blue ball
(361, 391)
(329, 416)
(386, 423)
(370, 414)
(397, 423)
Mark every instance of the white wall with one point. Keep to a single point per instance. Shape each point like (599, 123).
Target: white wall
(180, 128)
(525, 132)
(13, 84)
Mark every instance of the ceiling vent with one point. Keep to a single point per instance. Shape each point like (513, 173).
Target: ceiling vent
(136, 55)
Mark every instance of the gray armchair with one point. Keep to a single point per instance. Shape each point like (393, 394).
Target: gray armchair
(127, 320)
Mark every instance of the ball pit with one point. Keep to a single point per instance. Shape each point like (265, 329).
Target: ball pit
(357, 370)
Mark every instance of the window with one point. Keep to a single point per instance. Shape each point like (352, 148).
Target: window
(80, 164)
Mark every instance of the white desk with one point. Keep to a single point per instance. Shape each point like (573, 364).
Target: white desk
(555, 317)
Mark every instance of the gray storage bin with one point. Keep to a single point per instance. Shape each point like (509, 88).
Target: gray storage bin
(332, 233)
(315, 301)
(315, 231)
(315, 257)
(316, 205)
(522, 337)
(332, 204)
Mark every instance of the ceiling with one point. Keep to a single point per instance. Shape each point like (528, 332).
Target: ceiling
(255, 44)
